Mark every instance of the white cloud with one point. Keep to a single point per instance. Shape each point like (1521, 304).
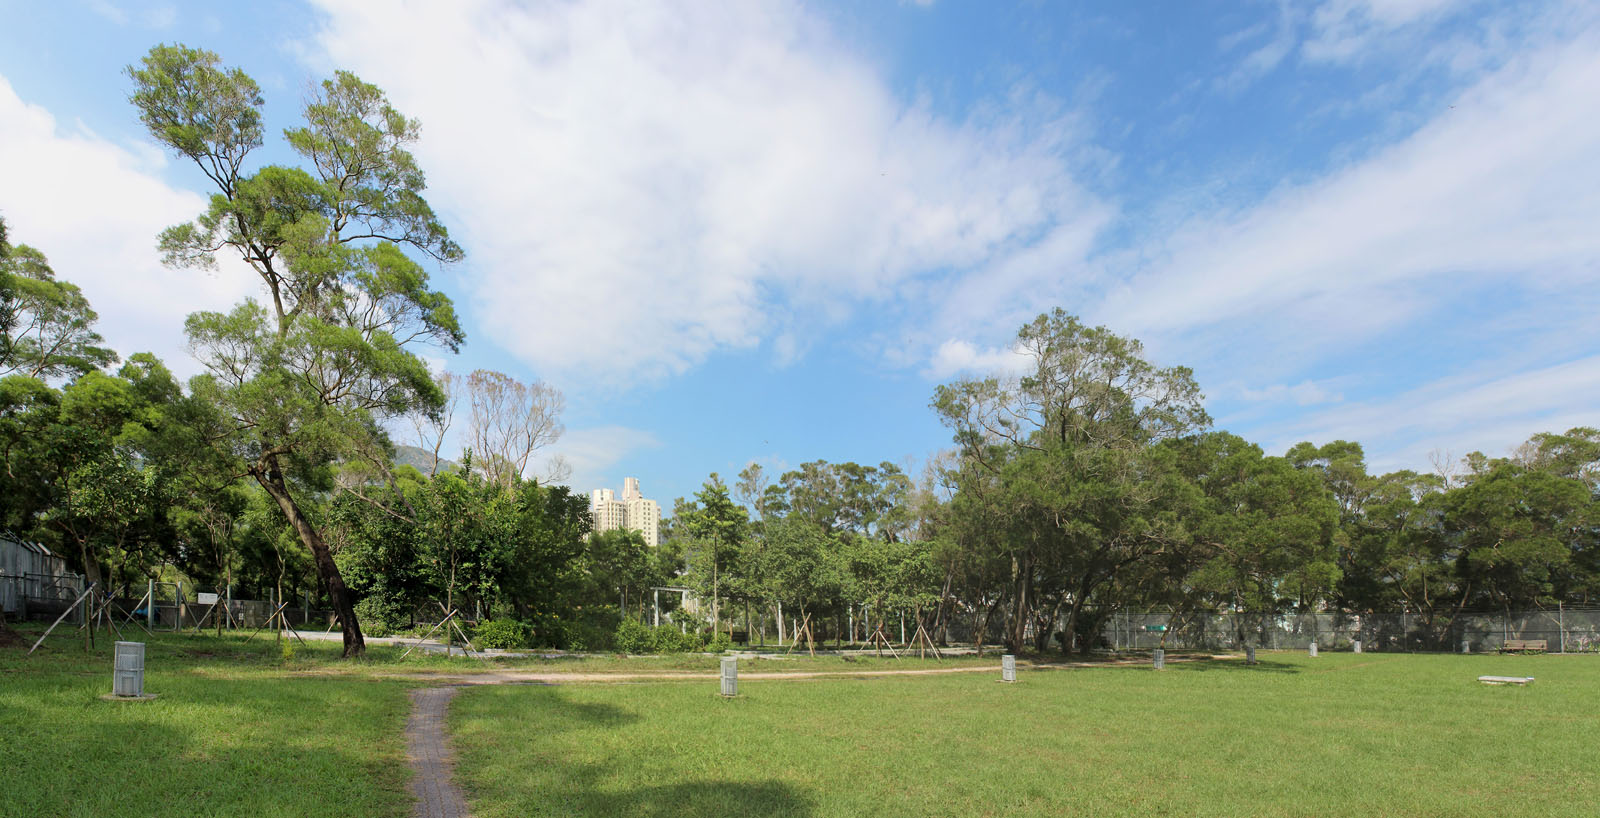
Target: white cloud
(1488, 412)
(653, 184)
(95, 208)
(1345, 29)
(1500, 189)
(110, 11)
(593, 453)
(957, 357)
(1305, 393)
(1264, 58)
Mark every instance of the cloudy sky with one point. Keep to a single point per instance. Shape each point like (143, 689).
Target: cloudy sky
(765, 231)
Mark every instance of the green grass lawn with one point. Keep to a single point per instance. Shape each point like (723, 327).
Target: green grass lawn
(230, 734)
(1339, 735)
(241, 729)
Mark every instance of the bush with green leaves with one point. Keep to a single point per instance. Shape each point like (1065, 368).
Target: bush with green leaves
(721, 643)
(668, 639)
(380, 617)
(505, 634)
(633, 636)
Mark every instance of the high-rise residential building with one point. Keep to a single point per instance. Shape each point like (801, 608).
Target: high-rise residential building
(633, 511)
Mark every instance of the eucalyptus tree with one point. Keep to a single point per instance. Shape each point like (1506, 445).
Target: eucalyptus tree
(46, 324)
(306, 374)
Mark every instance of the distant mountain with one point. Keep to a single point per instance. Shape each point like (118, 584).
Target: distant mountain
(420, 459)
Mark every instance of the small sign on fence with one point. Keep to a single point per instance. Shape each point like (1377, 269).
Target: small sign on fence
(1156, 628)
(203, 598)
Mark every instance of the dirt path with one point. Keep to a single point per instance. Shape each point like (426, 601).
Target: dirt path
(428, 753)
(500, 677)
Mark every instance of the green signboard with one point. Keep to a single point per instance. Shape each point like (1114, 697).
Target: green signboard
(1156, 628)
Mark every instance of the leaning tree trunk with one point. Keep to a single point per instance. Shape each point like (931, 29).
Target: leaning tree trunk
(338, 595)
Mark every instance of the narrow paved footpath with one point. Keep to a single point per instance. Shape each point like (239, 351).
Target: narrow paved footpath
(430, 757)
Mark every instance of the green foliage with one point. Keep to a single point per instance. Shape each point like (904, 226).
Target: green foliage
(46, 325)
(505, 634)
(633, 636)
(304, 379)
(714, 530)
(721, 643)
(668, 639)
(382, 616)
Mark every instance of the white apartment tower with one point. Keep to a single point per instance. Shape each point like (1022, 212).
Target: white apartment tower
(632, 511)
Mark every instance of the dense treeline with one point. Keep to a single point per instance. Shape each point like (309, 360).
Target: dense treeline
(1093, 484)
(1089, 485)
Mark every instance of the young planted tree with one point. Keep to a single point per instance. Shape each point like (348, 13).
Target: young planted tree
(717, 527)
(305, 376)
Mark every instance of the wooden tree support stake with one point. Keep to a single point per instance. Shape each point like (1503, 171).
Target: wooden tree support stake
(63, 615)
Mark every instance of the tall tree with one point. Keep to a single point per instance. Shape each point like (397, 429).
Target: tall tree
(46, 325)
(306, 376)
(1059, 471)
(510, 421)
(716, 527)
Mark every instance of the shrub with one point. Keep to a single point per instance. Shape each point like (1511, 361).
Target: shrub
(381, 617)
(505, 634)
(721, 643)
(668, 639)
(633, 636)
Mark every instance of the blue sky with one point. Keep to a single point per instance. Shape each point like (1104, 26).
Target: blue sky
(765, 231)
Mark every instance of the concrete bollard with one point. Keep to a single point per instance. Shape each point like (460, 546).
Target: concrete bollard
(1008, 668)
(1160, 659)
(1466, 646)
(1249, 654)
(127, 674)
(730, 676)
(1313, 650)
(1356, 645)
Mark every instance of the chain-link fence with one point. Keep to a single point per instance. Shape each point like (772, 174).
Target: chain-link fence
(1563, 630)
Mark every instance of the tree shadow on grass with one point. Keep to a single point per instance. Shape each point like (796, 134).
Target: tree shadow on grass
(694, 799)
(217, 748)
(1233, 666)
(558, 784)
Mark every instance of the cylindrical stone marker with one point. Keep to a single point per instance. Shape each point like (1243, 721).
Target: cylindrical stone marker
(1356, 645)
(127, 674)
(1008, 668)
(1249, 654)
(1466, 646)
(1313, 649)
(730, 676)
(1160, 659)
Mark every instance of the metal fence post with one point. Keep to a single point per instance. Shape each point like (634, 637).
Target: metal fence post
(150, 608)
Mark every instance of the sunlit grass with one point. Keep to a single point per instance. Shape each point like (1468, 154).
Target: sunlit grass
(229, 734)
(1339, 735)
